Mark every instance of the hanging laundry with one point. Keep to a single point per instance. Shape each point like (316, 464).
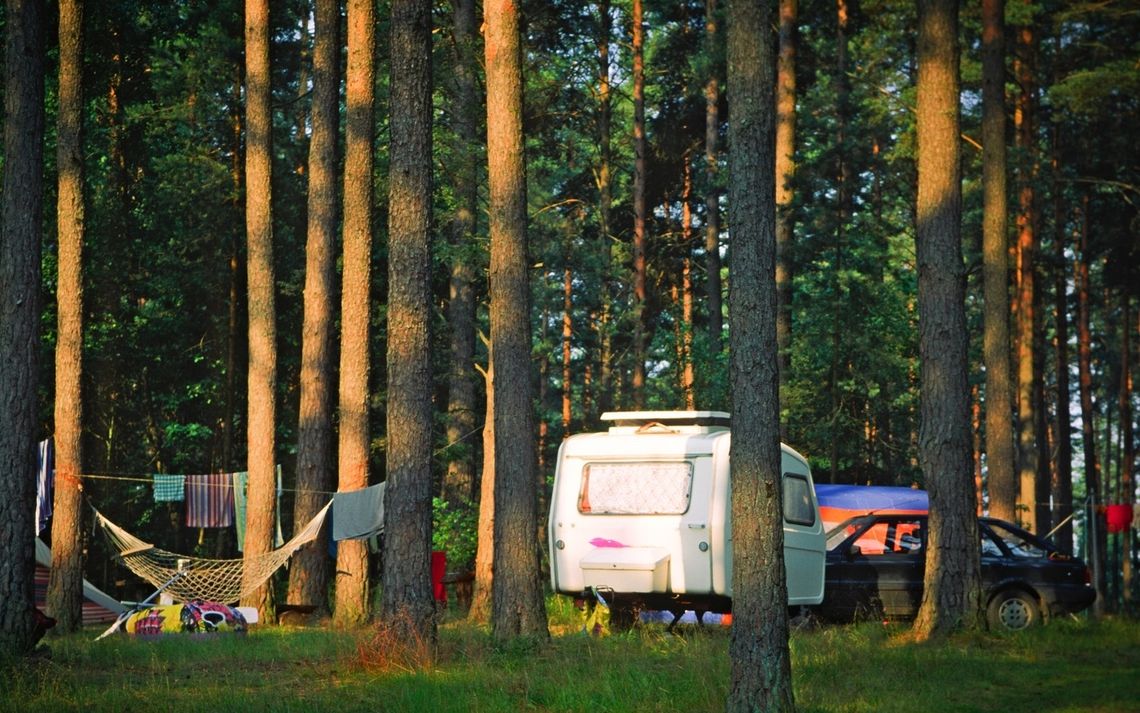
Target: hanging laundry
(358, 514)
(210, 500)
(169, 488)
(1119, 517)
(241, 483)
(45, 483)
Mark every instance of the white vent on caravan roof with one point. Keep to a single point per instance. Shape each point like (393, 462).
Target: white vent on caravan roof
(666, 421)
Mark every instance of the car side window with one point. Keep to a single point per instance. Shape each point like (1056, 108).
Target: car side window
(895, 537)
(989, 547)
(797, 500)
(1019, 544)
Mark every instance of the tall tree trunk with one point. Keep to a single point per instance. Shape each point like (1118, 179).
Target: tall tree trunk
(1062, 494)
(462, 400)
(687, 375)
(355, 357)
(1128, 454)
(261, 422)
(951, 587)
(22, 199)
(407, 595)
(308, 574)
(1002, 482)
(637, 378)
(65, 587)
(1026, 267)
(480, 611)
(517, 605)
(604, 326)
(567, 335)
(712, 195)
(785, 175)
(761, 673)
(1096, 532)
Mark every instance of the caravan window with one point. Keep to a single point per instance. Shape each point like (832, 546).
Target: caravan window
(797, 500)
(636, 488)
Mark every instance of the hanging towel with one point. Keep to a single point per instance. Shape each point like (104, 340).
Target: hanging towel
(209, 500)
(169, 488)
(358, 514)
(1119, 517)
(45, 483)
(241, 483)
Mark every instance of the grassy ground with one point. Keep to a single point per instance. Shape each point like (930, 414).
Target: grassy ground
(1067, 666)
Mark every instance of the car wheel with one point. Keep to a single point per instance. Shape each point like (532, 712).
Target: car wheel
(1013, 610)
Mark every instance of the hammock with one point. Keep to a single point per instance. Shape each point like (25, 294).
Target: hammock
(186, 578)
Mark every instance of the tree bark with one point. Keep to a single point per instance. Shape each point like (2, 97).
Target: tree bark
(761, 673)
(688, 377)
(1028, 449)
(1096, 532)
(604, 325)
(20, 251)
(308, 573)
(65, 586)
(407, 596)
(712, 170)
(352, 590)
(516, 599)
(462, 400)
(262, 419)
(637, 378)
(1001, 479)
(480, 611)
(951, 596)
(785, 175)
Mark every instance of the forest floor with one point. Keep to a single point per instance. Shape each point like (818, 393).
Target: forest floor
(1069, 665)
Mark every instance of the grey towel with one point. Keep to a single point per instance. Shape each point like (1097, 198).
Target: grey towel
(358, 514)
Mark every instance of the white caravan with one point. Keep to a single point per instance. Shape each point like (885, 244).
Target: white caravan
(644, 509)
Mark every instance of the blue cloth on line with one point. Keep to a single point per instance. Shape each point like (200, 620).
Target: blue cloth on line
(45, 482)
(169, 488)
(358, 514)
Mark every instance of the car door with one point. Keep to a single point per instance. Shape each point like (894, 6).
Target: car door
(877, 571)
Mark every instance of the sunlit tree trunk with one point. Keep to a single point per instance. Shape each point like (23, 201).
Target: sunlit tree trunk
(604, 326)
(1001, 481)
(462, 400)
(951, 596)
(516, 599)
(761, 672)
(686, 364)
(308, 573)
(20, 251)
(65, 586)
(785, 175)
(1028, 452)
(712, 195)
(352, 593)
(406, 587)
(637, 378)
(567, 336)
(261, 422)
(480, 611)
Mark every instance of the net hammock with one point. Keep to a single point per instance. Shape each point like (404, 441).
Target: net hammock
(186, 578)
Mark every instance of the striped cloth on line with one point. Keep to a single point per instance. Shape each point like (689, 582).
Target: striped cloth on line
(169, 488)
(210, 500)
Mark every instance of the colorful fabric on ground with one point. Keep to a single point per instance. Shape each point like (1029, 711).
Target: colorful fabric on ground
(210, 500)
(169, 488)
(241, 483)
(194, 617)
(45, 483)
(358, 514)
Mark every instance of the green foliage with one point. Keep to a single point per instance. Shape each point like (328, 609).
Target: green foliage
(455, 531)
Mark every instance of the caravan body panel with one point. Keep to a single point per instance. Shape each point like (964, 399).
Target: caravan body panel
(646, 510)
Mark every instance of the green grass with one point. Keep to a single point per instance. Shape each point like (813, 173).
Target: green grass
(1067, 666)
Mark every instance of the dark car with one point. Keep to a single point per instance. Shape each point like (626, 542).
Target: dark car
(875, 566)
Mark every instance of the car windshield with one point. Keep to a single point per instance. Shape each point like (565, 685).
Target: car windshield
(1018, 542)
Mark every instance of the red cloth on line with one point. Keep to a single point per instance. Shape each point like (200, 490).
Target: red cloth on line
(1119, 517)
(210, 500)
(438, 568)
